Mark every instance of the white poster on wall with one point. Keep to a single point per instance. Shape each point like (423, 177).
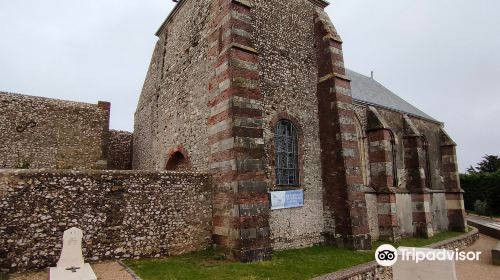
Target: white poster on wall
(287, 199)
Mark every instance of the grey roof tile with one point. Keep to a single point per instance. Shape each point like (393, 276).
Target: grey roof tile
(367, 90)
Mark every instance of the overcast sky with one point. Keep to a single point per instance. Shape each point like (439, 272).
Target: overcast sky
(441, 55)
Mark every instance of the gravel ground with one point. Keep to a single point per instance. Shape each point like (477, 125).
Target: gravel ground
(104, 271)
(482, 269)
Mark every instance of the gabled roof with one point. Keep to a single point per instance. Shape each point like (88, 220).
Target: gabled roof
(368, 91)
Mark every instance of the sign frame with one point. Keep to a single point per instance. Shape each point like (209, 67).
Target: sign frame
(286, 199)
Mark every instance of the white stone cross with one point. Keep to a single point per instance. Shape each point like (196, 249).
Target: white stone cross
(71, 265)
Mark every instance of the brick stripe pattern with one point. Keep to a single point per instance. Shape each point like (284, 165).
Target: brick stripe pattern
(454, 193)
(241, 203)
(387, 217)
(422, 215)
(344, 197)
(414, 156)
(381, 159)
(380, 143)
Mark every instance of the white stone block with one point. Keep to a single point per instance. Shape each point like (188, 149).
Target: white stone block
(71, 264)
(424, 269)
(76, 273)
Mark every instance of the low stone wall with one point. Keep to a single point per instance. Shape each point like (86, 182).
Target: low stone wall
(459, 242)
(484, 229)
(124, 214)
(372, 270)
(120, 150)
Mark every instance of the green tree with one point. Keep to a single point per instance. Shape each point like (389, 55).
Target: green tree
(471, 170)
(489, 164)
(482, 186)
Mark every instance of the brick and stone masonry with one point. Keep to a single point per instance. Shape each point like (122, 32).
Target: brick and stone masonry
(241, 203)
(381, 142)
(344, 197)
(416, 182)
(283, 33)
(223, 73)
(173, 106)
(454, 193)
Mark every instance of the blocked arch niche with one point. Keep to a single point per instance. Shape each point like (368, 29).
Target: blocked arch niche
(362, 149)
(178, 160)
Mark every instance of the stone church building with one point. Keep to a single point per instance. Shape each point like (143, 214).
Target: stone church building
(256, 93)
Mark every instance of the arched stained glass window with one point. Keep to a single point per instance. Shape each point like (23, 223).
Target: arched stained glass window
(287, 154)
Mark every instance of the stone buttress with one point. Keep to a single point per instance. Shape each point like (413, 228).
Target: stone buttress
(381, 142)
(344, 192)
(454, 193)
(415, 164)
(241, 203)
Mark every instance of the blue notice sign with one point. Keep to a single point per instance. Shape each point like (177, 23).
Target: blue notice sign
(287, 199)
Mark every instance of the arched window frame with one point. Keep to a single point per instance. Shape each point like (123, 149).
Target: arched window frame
(270, 150)
(287, 154)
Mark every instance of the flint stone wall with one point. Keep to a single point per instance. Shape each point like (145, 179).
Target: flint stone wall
(39, 132)
(173, 106)
(173, 110)
(120, 150)
(288, 74)
(123, 214)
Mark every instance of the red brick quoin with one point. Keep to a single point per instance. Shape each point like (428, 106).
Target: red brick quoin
(241, 203)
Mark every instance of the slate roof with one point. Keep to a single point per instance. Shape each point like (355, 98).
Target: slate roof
(368, 91)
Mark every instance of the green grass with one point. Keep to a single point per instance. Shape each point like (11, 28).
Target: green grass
(291, 264)
(421, 242)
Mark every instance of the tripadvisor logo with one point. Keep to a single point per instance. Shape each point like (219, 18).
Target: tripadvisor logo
(386, 255)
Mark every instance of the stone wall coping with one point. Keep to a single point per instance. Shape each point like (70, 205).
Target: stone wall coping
(484, 228)
(371, 266)
(96, 172)
(58, 102)
(443, 243)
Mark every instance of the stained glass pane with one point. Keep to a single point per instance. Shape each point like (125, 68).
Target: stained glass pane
(287, 171)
